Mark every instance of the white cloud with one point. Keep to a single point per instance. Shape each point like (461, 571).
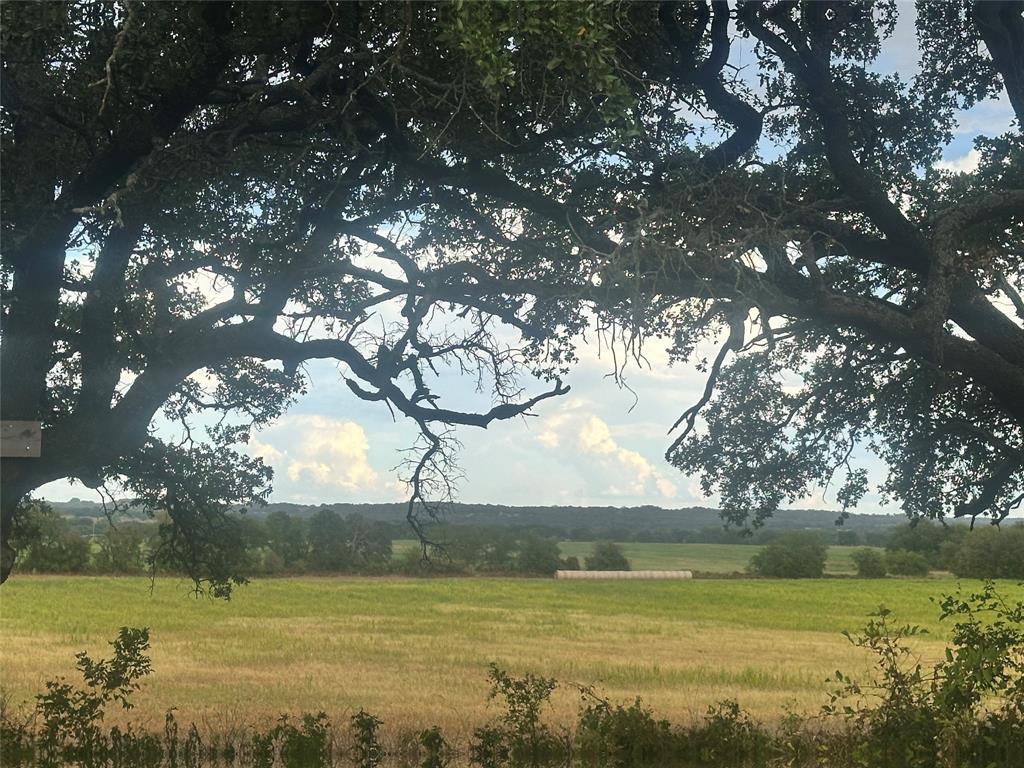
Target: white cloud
(621, 471)
(265, 451)
(965, 164)
(595, 437)
(549, 438)
(319, 451)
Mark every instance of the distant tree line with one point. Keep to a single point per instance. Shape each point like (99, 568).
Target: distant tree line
(696, 525)
(327, 542)
(282, 544)
(988, 552)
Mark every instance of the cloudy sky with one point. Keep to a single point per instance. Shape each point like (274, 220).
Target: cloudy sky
(598, 445)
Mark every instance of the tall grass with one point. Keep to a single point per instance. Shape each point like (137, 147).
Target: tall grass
(400, 648)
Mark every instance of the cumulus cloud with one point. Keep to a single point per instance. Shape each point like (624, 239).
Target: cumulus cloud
(595, 437)
(319, 451)
(621, 471)
(964, 164)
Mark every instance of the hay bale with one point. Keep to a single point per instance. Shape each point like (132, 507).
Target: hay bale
(642, 575)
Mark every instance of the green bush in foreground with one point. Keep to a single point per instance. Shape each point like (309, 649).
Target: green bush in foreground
(796, 555)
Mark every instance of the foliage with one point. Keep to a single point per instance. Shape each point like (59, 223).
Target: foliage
(796, 555)
(346, 544)
(566, 166)
(520, 738)
(965, 711)
(900, 562)
(538, 555)
(47, 543)
(436, 749)
(606, 556)
(992, 553)
(121, 549)
(308, 746)
(286, 537)
(70, 717)
(870, 564)
(367, 749)
(933, 540)
(622, 735)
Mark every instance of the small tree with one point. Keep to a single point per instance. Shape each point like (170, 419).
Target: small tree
(796, 555)
(607, 556)
(870, 564)
(47, 544)
(121, 550)
(286, 538)
(900, 562)
(927, 538)
(538, 555)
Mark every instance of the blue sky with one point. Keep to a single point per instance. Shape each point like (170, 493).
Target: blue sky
(598, 445)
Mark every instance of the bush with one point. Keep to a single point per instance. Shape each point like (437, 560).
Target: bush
(616, 736)
(606, 556)
(900, 562)
(870, 564)
(796, 555)
(964, 711)
(992, 552)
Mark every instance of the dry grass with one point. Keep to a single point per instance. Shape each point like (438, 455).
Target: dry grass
(415, 652)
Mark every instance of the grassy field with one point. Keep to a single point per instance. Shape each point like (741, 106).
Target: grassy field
(416, 651)
(709, 558)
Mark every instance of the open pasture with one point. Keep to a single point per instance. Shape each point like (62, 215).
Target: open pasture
(707, 558)
(415, 652)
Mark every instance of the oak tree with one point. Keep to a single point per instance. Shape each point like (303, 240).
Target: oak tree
(197, 198)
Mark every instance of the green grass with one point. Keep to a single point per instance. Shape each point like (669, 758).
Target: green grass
(709, 558)
(416, 651)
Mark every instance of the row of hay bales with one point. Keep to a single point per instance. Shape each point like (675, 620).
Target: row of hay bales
(651, 575)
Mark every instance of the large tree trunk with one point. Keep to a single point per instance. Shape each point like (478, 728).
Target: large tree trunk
(15, 487)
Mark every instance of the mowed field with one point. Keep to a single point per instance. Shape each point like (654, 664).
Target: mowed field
(708, 558)
(415, 651)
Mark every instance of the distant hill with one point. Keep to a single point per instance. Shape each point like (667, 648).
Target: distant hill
(601, 521)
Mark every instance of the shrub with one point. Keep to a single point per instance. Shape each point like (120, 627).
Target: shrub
(616, 735)
(870, 564)
(369, 752)
(520, 739)
(606, 556)
(796, 555)
(729, 736)
(435, 748)
(900, 562)
(992, 552)
(965, 711)
(71, 716)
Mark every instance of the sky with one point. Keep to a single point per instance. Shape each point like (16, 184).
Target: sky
(601, 444)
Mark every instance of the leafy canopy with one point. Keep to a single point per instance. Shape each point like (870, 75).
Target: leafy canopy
(198, 198)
